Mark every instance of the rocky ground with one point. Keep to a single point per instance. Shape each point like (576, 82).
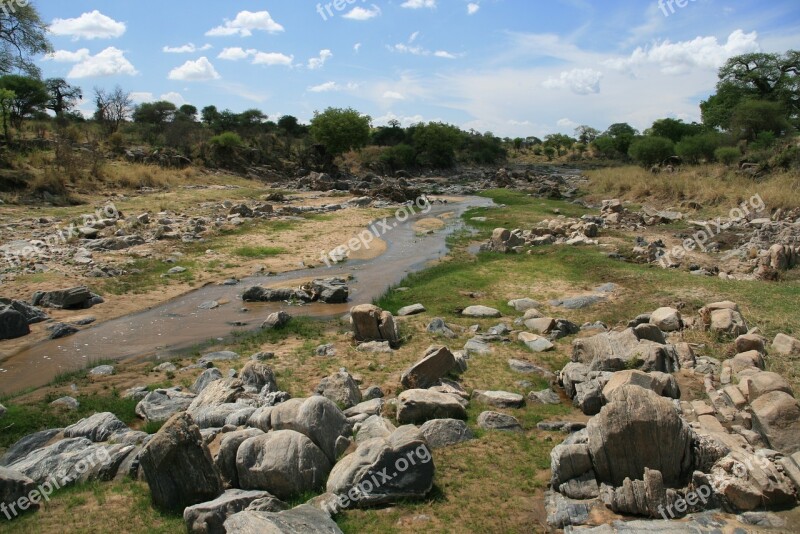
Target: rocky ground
(499, 396)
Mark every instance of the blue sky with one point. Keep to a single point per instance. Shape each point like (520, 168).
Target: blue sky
(513, 67)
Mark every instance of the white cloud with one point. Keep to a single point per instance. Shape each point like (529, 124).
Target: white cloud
(245, 23)
(195, 71)
(513, 122)
(318, 62)
(579, 81)
(403, 48)
(404, 120)
(357, 47)
(417, 4)
(328, 87)
(413, 37)
(141, 96)
(65, 56)
(567, 123)
(683, 56)
(472, 8)
(236, 53)
(393, 95)
(92, 25)
(175, 98)
(272, 58)
(189, 48)
(444, 54)
(360, 13)
(109, 62)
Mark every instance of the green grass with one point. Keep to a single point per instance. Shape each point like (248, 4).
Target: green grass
(259, 252)
(147, 274)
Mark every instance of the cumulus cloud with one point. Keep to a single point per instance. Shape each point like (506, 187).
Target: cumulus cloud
(318, 62)
(417, 50)
(417, 4)
(245, 23)
(65, 56)
(175, 98)
(195, 71)
(567, 123)
(189, 48)
(393, 95)
(683, 56)
(236, 53)
(109, 62)
(360, 13)
(141, 96)
(272, 58)
(405, 120)
(91, 25)
(579, 81)
(328, 87)
(357, 47)
(472, 8)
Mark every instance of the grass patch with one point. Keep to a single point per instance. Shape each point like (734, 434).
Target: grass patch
(259, 252)
(147, 274)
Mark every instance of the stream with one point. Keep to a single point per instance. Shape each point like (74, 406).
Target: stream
(180, 324)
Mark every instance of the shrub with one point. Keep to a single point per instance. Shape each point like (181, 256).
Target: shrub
(728, 155)
(227, 141)
(696, 148)
(651, 150)
(401, 156)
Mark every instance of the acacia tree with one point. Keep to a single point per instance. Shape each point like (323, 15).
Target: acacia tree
(23, 36)
(340, 129)
(30, 96)
(63, 96)
(113, 108)
(6, 103)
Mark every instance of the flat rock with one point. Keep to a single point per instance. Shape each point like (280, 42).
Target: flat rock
(413, 309)
(209, 517)
(304, 519)
(421, 405)
(535, 343)
(481, 312)
(499, 421)
(445, 432)
(524, 304)
(499, 399)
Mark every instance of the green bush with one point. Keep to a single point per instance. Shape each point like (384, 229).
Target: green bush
(651, 150)
(728, 155)
(227, 141)
(696, 148)
(400, 156)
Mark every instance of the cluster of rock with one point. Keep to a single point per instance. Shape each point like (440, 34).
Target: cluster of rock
(16, 316)
(328, 291)
(645, 452)
(394, 189)
(560, 231)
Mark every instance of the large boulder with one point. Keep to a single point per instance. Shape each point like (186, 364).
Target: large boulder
(225, 460)
(330, 290)
(177, 466)
(499, 399)
(776, 415)
(73, 298)
(723, 318)
(499, 421)
(386, 470)
(28, 444)
(421, 405)
(371, 323)
(256, 376)
(786, 346)
(13, 487)
(224, 391)
(97, 428)
(749, 481)
(317, 418)
(12, 324)
(341, 389)
(209, 517)
(161, 404)
(445, 432)
(304, 519)
(284, 462)
(663, 384)
(616, 351)
(481, 312)
(434, 365)
(206, 377)
(639, 429)
(666, 319)
(760, 384)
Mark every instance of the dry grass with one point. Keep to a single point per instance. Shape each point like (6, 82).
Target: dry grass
(713, 186)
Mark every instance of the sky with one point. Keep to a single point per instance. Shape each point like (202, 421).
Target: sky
(512, 67)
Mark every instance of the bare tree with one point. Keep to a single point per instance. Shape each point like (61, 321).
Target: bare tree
(113, 108)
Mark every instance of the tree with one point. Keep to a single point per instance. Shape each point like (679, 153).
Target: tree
(187, 112)
(674, 129)
(6, 105)
(560, 142)
(622, 135)
(290, 125)
(651, 150)
(695, 148)
(517, 141)
(752, 117)
(113, 108)
(157, 114)
(209, 115)
(23, 37)
(30, 96)
(436, 144)
(63, 96)
(727, 155)
(340, 129)
(586, 134)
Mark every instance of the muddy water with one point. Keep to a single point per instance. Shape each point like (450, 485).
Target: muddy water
(180, 324)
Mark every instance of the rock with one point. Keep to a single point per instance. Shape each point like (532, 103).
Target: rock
(304, 519)
(13, 487)
(206, 377)
(589, 395)
(765, 382)
(421, 405)
(168, 367)
(27, 445)
(370, 407)
(373, 427)
(32, 314)
(727, 321)
(437, 363)
(563, 512)
(546, 396)
(161, 404)
(647, 497)
(414, 309)
(177, 466)
(375, 347)
(225, 460)
(498, 421)
(13, 324)
(667, 319)
(209, 517)
(97, 428)
(330, 291)
(341, 389)
(481, 312)
(524, 304)
(542, 325)
(650, 332)
(220, 356)
(569, 461)
(571, 375)
(284, 462)
(258, 378)
(319, 419)
(638, 429)
(786, 346)
(580, 302)
(102, 370)
(276, 320)
(438, 327)
(520, 366)
(370, 323)
(372, 392)
(445, 432)
(660, 383)
(477, 347)
(224, 391)
(66, 403)
(748, 342)
(3, 411)
(616, 351)
(776, 416)
(70, 299)
(535, 343)
(746, 481)
(355, 473)
(326, 351)
(499, 399)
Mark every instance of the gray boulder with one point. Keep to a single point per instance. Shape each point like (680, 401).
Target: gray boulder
(177, 466)
(434, 365)
(439, 327)
(256, 376)
(72, 298)
(284, 462)
(445, 432)
(97, 428)
(304, 519)
(14, 486)
(209, 517)
(27, 445)
(373, 427)
(205, 378)
(481, 312)
(499, 399)
(161, 404)
(499, 421)
(414, 309)
(371, 323)
(13, 324)
(341, 389)
(317, 418)
(421, 405)
(776, 415)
